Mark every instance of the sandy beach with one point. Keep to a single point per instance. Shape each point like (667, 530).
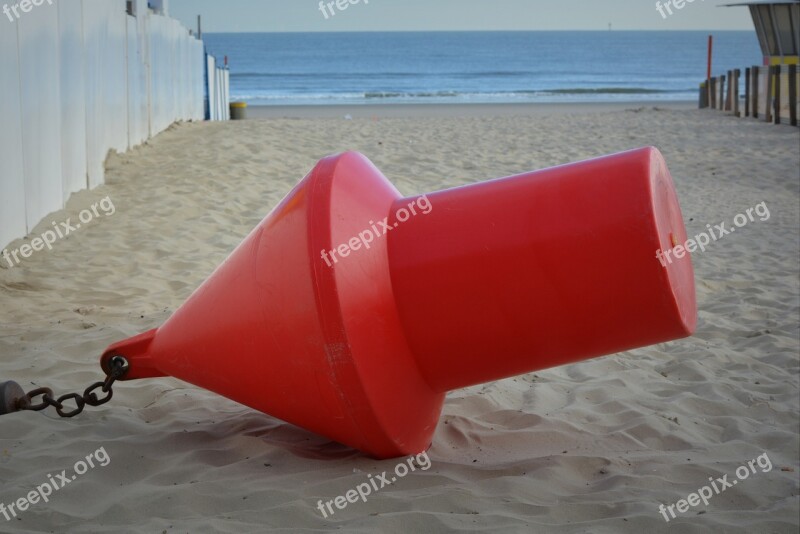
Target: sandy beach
(595, 447)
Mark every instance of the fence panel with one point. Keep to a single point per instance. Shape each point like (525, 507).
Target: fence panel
(211, 84)
(95, 36)
(73, 102)
(115, 87)
(12, 182)
(41, 112)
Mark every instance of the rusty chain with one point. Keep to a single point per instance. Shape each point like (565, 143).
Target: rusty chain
(118, 366)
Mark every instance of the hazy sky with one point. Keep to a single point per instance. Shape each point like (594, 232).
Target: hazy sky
(393, 15)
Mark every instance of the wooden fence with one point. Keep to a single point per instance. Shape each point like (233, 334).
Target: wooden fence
(770, 93)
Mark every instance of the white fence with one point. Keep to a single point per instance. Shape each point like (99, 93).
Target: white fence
(219, 105)
(79, 78)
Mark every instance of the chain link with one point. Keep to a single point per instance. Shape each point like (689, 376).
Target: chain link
(118, 365)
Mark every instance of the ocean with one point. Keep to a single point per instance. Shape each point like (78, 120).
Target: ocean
(475, 67)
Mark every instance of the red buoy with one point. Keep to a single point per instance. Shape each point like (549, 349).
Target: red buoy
(350, 310)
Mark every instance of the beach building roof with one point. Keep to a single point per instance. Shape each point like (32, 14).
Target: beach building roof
(778, 28)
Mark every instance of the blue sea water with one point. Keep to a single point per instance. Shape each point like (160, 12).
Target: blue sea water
(467, 67)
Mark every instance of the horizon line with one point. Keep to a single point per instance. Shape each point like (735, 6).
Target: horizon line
(479, 31)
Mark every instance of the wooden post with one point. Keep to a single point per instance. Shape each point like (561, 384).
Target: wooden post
(793, 95)
(777, 99)
(729, 93)
(722, 92)
(702, 102)
(768, 99)
(747, 92)
(736, 74)
(708, 68)
(755, 92)
(712, 84)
